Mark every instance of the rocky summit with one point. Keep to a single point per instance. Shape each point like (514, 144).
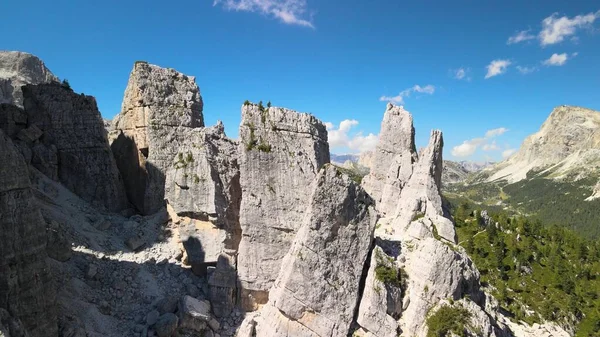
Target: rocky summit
(567, 145)
(17, 69)
(157, 225)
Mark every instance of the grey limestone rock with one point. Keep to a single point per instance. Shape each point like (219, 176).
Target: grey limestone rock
(393, 158)
(26, 289)
(421, 195)
(73, 144)
(317, 290)
(281, 152)
(194, 314)
(158, 104)
(17, 69)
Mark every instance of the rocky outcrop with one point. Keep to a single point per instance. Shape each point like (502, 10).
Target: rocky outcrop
(26, 291)
(393, 159)
(158, 105)
(317, 290)
(165, 154)
(68, 143)
(281, 152)
(568, 143)
(421, 199)
(18, 69)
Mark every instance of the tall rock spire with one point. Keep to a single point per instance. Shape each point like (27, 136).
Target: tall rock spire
(281, 152)
(393, 159)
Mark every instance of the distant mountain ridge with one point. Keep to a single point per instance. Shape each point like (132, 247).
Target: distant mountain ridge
(566, 146)
(458, 171)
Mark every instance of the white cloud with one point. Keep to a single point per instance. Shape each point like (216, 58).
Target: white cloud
(497, 67)
(358, 142)
(468, 147)
(508, 152)
(286, 11)
(558, 59)
(490, 147)
(495, 132)
(399, 99)
(461, 73)
(555, 28)
(521, 36)
(526, 70)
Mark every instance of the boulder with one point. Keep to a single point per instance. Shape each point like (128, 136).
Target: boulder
(317, 290)
(194, 314)
(280, 153)
(25, 280)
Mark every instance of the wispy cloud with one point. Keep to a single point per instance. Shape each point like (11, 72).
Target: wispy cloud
(461, 73)
(521, 36)
(495, 132)
(497, 67)
(526, 70)
(558, 59)
(340, 137)
(468, 147)
(287, 11)
(399, 99)
(555, 29)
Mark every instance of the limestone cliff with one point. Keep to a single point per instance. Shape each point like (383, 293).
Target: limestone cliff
(71, 144)
(317, 289)
(567, 144)
(416, 268)
(158, 104)
(17, 69)
(27, 294)
(281, 152)
(167, 156)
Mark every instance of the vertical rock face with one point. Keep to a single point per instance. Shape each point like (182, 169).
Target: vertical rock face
(393, 158)
(17, 69)
(158, 106)
(280, 152)
(26, 292)
(381, 302)
(165, 153)
(72, 145)
(421, 195)
(317, 289)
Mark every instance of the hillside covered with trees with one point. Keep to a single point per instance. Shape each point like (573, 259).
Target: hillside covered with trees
(536, 272)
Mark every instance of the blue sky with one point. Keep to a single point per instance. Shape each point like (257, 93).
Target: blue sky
(339, 60)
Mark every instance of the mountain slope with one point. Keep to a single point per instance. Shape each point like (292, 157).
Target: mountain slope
(553, 178)
(567, 145)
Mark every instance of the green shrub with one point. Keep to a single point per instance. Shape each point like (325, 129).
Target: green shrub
(264, 147)
(448, 319)
(65, 84)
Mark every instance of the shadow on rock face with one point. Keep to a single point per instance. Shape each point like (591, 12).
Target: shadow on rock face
(131, 162)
